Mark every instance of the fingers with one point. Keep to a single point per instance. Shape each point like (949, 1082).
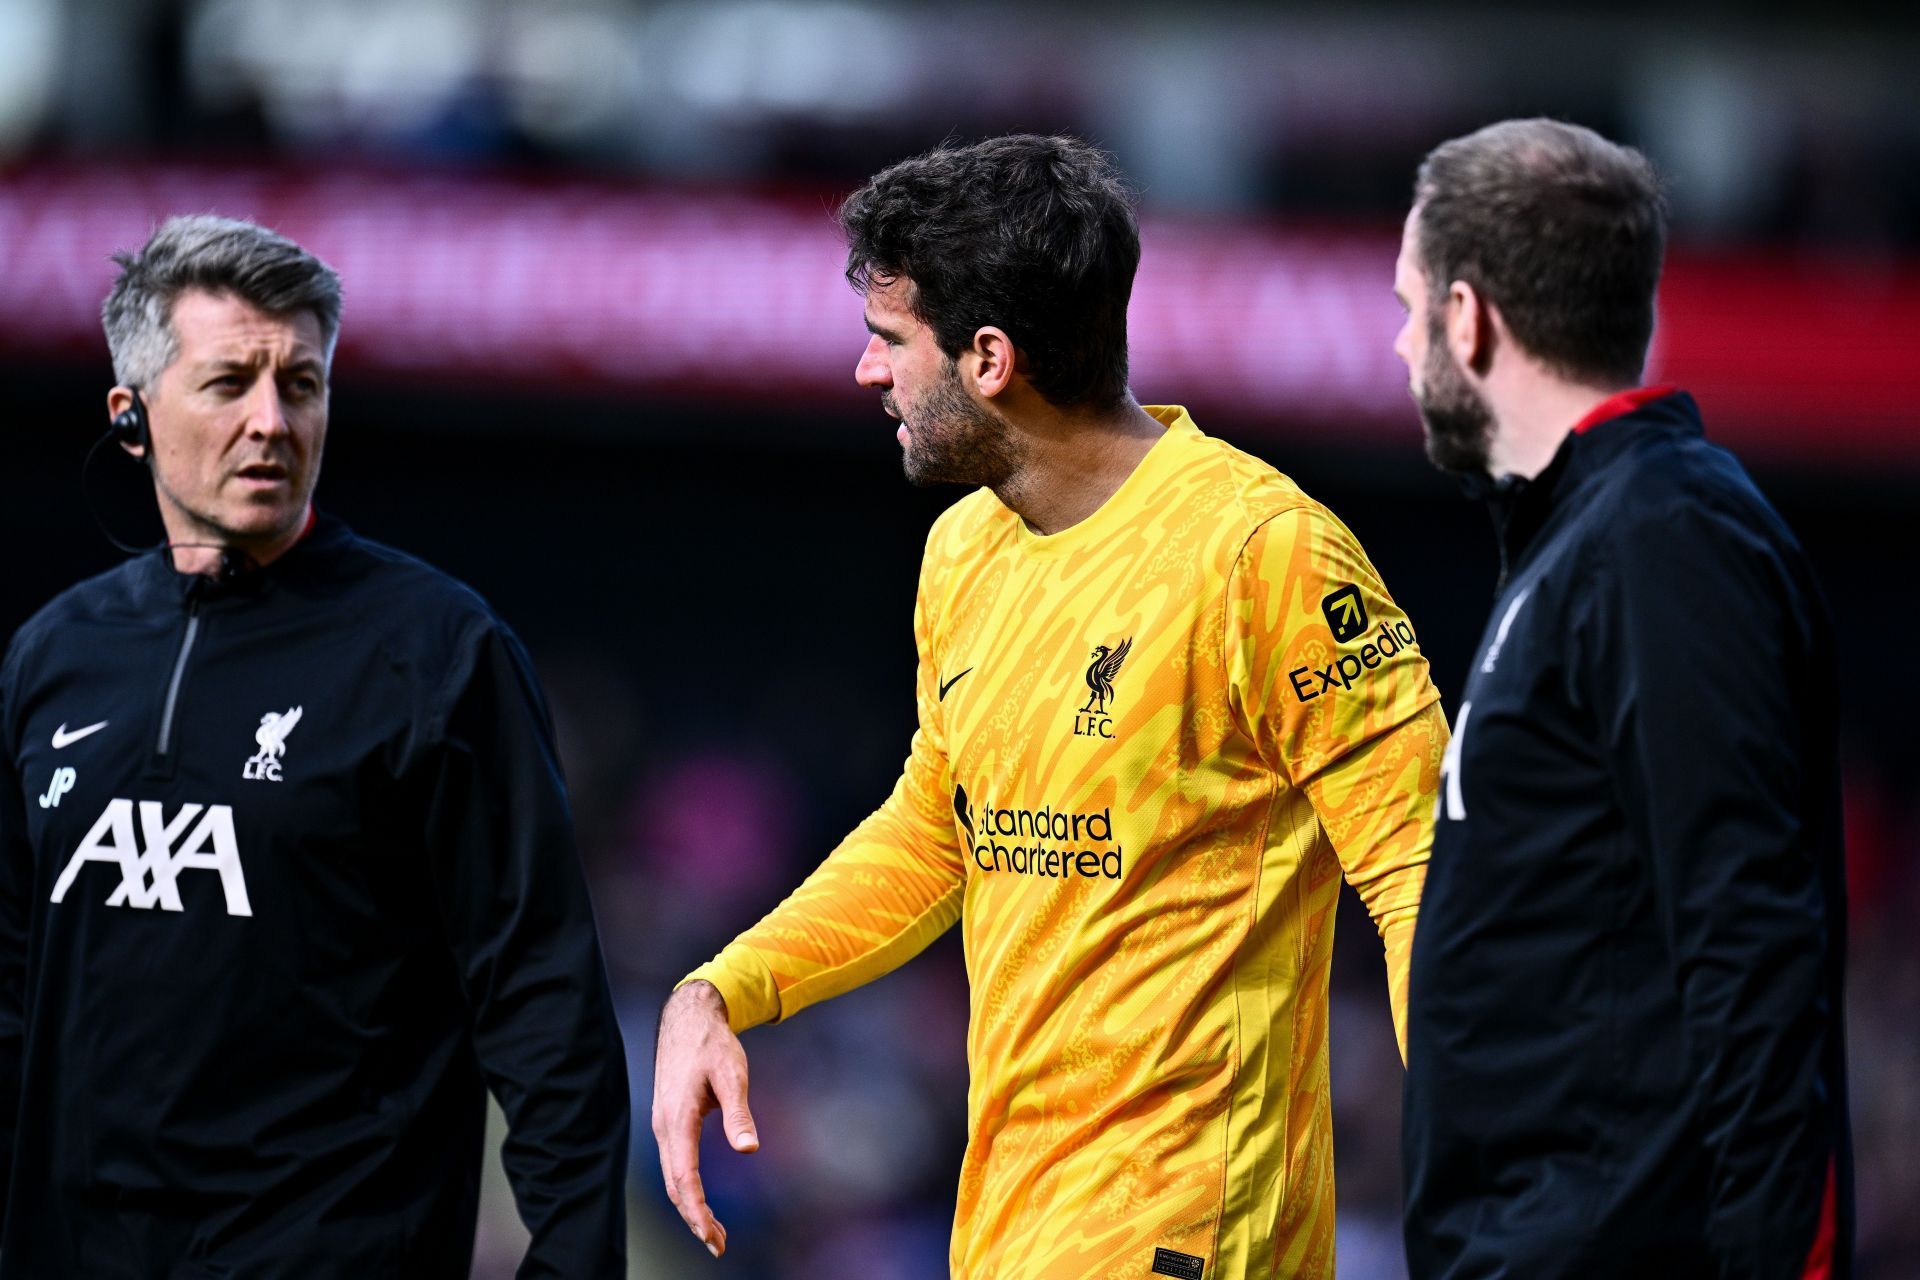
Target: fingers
(730, 1089)
(680, 1170)
(699, 1067)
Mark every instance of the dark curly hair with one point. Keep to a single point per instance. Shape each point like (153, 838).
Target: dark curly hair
(1034, 235)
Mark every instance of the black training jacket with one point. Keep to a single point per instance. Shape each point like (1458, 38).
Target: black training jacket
(1625, 1051)
(287, 883)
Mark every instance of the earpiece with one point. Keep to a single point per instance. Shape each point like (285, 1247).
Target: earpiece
(130, 424)
(129, 427)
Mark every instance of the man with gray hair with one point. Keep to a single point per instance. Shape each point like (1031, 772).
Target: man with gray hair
(287, 876)
(1625, 1051)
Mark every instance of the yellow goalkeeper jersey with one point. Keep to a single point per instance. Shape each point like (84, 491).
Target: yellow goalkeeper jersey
(1148, 748)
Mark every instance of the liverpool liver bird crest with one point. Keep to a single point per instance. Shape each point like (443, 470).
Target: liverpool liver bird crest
(1100, 675)
(273, 731)
(271, 736)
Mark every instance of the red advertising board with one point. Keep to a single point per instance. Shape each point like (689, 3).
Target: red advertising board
(495, 280)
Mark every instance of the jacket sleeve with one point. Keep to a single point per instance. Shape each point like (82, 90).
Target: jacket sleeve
(1700, 655)
(16, 894)
(513, 899)
(884, 893)
(1352, 719)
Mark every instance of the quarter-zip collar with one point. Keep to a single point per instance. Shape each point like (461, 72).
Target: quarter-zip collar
(205, 601)
(158, 580)
(1522, 507)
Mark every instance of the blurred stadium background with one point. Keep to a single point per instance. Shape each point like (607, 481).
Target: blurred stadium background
(598, 357)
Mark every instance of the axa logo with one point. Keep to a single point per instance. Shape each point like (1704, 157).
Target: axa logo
(1093, 721)
(151, 849)
(264, 764)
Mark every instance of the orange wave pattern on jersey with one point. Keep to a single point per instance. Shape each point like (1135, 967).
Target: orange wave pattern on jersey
(1166, 733)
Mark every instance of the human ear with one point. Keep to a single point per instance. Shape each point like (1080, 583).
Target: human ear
(990, 360)
(1470, 327)
(128, 414)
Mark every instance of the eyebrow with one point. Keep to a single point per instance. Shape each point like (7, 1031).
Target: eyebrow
(878, 332)
(228, 364)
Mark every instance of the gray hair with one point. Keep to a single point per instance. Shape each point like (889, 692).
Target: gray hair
(219, 255)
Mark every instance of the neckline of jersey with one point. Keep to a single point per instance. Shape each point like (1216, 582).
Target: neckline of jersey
(1123, 502)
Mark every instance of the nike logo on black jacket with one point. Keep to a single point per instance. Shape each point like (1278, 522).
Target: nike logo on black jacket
(1625, 1052)
(316, 893)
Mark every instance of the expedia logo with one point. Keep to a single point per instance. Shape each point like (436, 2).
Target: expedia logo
(1092, 720)
(1345, 613)
(1057, 844)
(1310, 682)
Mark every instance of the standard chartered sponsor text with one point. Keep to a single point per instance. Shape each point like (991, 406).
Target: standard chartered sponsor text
(1052, 843)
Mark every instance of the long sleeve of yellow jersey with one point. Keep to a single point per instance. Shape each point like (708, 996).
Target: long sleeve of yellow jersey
(886, 891)
(1327, 678)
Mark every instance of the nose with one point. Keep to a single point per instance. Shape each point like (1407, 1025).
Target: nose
(267, 415)
(874, 370)
(1403, 342)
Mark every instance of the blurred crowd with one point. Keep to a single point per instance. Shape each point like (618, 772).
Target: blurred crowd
(1779, 122)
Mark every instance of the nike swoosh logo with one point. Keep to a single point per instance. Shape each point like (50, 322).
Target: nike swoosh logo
(61, 738)
(950, 683)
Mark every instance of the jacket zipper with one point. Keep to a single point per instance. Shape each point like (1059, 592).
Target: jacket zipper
(1502, 514)
(179, 670)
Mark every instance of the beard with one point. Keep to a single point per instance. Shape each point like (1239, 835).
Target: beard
(952, 440)
(1459, 424)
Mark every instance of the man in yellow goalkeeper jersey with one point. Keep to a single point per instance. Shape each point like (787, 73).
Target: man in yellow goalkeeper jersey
(1165, 703)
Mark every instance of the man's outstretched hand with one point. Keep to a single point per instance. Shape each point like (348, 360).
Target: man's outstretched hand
(698, 1066)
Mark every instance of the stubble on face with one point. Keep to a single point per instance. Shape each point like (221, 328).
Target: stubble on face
(1459, 426)
(952, 440)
